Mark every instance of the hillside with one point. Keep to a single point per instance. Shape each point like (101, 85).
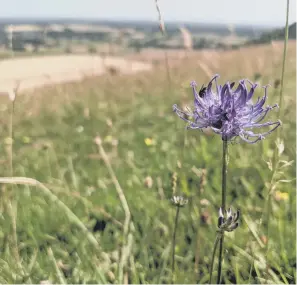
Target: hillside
(275, 35)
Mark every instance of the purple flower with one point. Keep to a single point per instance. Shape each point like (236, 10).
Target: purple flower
(230, 113)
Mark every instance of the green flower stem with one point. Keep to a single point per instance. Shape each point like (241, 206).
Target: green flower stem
(174, 241)
(218, 238)
(224, 190)
(224, 174)
(220, 259)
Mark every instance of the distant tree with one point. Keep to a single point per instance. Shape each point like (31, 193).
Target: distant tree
(18, 45)
(201, 43)
(275, 35)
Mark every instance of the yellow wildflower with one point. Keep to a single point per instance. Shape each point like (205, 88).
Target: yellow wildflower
(149, 141)
(281, 196)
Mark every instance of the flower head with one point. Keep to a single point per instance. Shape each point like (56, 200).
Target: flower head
(228, 222)
(228, 112)
(179, 201)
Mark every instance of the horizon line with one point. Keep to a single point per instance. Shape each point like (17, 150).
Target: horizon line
(119, 20)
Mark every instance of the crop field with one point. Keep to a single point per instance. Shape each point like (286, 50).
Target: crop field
(94, 165)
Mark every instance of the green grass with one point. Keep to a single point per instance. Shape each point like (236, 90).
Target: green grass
(54, 132)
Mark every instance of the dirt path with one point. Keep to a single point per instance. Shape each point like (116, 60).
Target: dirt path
(35, 72)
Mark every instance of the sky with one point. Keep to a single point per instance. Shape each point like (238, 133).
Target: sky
(250, 12)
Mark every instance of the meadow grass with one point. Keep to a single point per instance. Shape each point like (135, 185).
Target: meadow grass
(140, 137)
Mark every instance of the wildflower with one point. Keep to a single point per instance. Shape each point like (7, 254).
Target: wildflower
(281, 196)
(149, 141)
(228, 223)
(179, 201)
(229, 113)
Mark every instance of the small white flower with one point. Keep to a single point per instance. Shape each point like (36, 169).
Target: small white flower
(179, 201)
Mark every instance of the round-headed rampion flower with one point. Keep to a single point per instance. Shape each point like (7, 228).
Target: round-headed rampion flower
(230, 113)
(228, 222)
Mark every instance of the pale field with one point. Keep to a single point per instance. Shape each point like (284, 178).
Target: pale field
(33, 72)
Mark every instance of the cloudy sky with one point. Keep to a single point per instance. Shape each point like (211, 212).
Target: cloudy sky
(255, 12)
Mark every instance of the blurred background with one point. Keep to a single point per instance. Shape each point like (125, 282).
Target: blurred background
(87, 89)
(131, 27)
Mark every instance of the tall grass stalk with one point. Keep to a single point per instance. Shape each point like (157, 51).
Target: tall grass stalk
(224, 193)
(174, 243)
(163, 31)
(11, 207)
(284, 63)
(198, 234)
(128, 237)
(53, 198)
(276, 156)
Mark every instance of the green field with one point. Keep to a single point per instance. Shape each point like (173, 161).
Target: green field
(71, 228)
